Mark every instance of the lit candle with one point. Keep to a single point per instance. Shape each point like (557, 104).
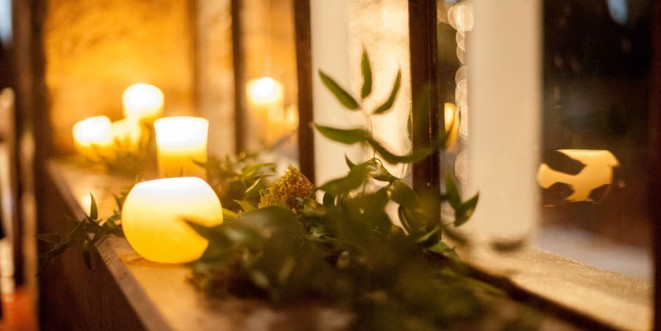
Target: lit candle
(265, 93)
(265, 100)
(143, 102)
(153, 218)
(181, 141)
(93, 137)
(126, 133)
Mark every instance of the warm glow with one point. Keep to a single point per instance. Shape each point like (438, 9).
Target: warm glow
(451, 117)
(153, 218)
(266, 109)
(126, 133)
(143, 102)
(265, 91)
(598, 172)
(93, 136)
(181, 141)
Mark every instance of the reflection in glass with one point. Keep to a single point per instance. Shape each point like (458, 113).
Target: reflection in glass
(595, 133)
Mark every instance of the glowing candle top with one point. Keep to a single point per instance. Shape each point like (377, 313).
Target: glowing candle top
(93, 136)
(265, 91)
(143, 102)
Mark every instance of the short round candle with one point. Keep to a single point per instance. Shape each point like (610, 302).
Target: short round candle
(93, 136)
(181, 142)
(143, 102)
(153, 218)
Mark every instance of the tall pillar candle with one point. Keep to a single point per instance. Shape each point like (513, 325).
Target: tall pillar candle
(181, 143)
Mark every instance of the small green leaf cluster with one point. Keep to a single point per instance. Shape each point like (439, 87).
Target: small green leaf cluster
(346, 252)
(238, 177)
(86, 233)
(126, 159)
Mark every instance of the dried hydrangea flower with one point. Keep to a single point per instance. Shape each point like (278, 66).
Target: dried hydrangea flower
(291, 189)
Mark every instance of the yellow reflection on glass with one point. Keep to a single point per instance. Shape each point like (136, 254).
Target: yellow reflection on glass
(451, 117)
(597, 172)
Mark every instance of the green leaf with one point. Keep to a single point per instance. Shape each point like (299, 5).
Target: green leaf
(451, 190)
(348, 136)
(430, 238)
(366, 70)
(356, 177)
(229, 215)
(441, 248)
(245, 205)
(87, 256)
(349, 163)
(465, 210)
(393, 95)
(414, 157)
(94, 212)
(342, 96)
(328, 200)
(208, 232)
(51, 238)
(403, 195)
(379, 172)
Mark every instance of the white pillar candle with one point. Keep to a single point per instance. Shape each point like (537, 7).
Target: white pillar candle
(153, 218)
(181, 141)
(504, 83)
(93, 137)
(143, 102)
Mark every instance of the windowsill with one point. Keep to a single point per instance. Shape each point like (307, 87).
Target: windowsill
(164, 300)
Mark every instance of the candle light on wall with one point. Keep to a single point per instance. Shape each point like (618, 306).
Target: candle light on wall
(143, 102)
(153, 218)
(93, 137)
(181, 141)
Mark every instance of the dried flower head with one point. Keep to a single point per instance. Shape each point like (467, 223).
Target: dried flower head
(290, 189)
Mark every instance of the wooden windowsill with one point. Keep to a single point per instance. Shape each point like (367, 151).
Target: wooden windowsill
(163, 299)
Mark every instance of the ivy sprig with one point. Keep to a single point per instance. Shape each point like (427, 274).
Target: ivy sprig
(86, 233)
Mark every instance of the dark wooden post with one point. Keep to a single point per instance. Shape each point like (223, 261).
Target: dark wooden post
(304, 74)
(423, 47)
(655, 155)
(240, 119)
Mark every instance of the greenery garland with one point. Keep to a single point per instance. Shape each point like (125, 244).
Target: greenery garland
(281, 244)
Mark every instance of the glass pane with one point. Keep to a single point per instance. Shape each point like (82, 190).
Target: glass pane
(595, 133)
(341, 30)
(269, 60)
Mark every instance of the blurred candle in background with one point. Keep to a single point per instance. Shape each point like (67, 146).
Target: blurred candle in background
(93, 137)
(180, 142)
(266, 102)
(143, 102)
(153, 218)
(126, 133)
